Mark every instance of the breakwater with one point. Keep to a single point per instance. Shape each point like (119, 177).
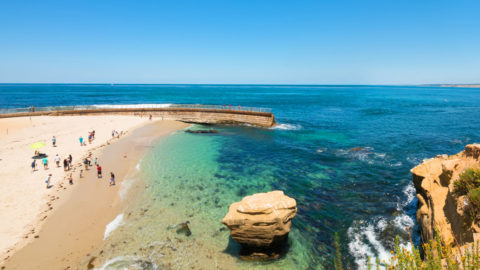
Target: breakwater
(207, 114)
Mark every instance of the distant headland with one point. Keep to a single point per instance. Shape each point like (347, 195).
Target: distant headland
(475, 85)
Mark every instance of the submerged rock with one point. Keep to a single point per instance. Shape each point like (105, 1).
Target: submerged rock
(182, 228)
(202, 131)
(261, 223)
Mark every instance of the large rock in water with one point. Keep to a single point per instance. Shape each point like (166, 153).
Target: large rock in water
(262, 221)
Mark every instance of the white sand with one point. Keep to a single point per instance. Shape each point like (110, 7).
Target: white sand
(23, 194)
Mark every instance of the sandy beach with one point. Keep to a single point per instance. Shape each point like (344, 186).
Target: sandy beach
(56, 227)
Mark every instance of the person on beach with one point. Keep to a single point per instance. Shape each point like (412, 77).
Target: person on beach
(54, 141)
(70, 179)
(34, 165)
(112, 179)
(99, 171)
(70, 159)
(90, 138)
(81, 140)
(150, 117)
(45, 163)
(95, 161)
(47, 181)
(57, 160)
(85, 162)
(65, 165)
(81, 173)
(113, 134)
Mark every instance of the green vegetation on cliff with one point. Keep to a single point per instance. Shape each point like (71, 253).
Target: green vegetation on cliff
(468, 185)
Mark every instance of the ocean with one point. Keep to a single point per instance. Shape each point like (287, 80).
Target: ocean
(343, 152)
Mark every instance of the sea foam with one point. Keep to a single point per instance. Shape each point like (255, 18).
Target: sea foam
(127, 262)
(125, 187)
(287, 127)
(365, 235)
(138, 165)
(113, 225)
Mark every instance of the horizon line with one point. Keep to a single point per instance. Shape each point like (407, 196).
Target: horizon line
(246, 84)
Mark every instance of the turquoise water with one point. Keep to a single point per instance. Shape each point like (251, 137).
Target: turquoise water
(363, 194)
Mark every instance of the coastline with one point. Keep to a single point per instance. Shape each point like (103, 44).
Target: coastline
(81, 211)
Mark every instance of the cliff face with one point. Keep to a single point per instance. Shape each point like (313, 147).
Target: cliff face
(438, 207)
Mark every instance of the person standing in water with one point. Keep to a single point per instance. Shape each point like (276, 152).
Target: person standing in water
(112, 179)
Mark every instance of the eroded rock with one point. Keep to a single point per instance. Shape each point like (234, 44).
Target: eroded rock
(261, 222)
(438, 207)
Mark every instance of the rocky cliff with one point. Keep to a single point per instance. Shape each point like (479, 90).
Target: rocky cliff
(438, 207)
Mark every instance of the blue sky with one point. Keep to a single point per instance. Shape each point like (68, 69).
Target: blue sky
(263, 41)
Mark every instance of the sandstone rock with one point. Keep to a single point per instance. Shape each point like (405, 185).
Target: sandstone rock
(473, 150)
(438, 208)
(261, 221)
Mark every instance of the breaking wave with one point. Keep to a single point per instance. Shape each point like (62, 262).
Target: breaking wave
(374, 238)
(125, 187)
(287, 127)
(128, 262)
(113, 225)
(131, 106)
(138, 165)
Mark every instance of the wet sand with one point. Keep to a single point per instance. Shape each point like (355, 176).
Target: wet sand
(78, 224)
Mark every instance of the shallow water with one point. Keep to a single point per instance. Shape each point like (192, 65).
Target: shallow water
(363, 194)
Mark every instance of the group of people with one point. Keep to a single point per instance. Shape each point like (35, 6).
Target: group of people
(91, 137)
(116, 134)
(68, 161)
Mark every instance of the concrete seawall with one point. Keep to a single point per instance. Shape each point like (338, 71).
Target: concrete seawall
(190, 115)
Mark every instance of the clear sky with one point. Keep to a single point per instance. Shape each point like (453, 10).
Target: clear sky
(243, 41)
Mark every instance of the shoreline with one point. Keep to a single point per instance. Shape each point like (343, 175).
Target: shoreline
(64, 236)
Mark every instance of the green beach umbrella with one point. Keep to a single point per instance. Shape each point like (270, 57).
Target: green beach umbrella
(37, 145)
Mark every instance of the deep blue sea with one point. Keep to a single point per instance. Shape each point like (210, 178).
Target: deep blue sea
(343, 152)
